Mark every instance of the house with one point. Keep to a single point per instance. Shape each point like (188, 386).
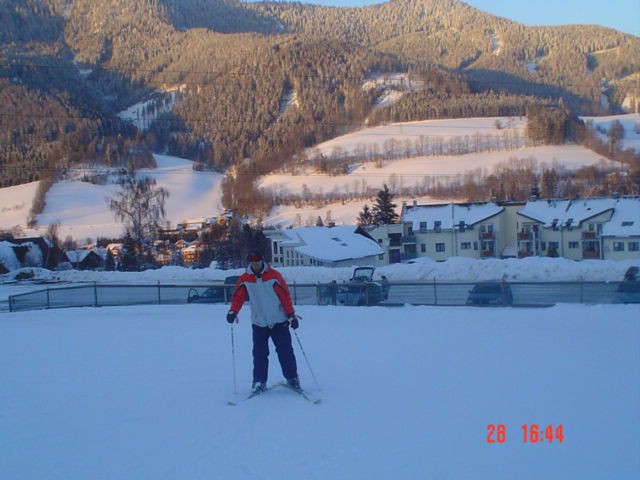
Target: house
(84, 259)
(28, 252)
(338, 246)
(193, 253)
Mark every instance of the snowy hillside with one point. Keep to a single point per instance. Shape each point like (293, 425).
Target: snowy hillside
(82, 210)
(407, 393)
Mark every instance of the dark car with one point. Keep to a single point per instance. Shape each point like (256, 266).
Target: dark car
(216, 294)
(628, 291)
(495, 293)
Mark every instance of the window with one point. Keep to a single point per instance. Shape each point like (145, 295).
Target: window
(574, 245)
(437, 225)
(465, 246)
(423, 248)
(618, 246)
(543, 246)
(633, 246)
(440, 247)
(475, 245)
(423, 227)
(554, 245)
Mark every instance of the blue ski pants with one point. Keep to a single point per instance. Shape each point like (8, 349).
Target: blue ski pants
(281, 338)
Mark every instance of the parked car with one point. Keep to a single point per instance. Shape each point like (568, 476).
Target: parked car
(216, 294)
(361, 289)
(497, 293)
(628, 291)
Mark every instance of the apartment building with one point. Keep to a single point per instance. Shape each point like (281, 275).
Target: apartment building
(584, 228)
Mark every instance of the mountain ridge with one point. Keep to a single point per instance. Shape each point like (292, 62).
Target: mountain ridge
(235, 62)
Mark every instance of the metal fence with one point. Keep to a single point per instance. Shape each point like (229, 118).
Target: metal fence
(525, 294)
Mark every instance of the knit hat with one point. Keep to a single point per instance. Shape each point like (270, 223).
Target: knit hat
(254, 256)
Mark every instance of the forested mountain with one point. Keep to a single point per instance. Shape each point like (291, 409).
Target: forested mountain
(258, 82)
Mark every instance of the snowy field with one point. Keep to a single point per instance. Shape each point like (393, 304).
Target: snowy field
(408, 393)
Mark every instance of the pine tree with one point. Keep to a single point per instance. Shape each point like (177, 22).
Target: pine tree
(366, 216)
(109, 262)
(384, 209)
(549, 183)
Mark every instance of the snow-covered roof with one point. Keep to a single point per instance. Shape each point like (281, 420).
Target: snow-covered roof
(625, 213)
(331, 243)
(625, 220)
(8, 256)
(77, 256)
(450, 214)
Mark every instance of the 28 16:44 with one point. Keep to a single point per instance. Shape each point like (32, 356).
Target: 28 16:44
(531, 433)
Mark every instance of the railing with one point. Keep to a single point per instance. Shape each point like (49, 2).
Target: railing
(394, 294)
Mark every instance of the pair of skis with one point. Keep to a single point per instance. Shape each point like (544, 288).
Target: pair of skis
(302, 393)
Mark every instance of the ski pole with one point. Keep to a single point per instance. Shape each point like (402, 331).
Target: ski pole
(233, 357)
(307, 359)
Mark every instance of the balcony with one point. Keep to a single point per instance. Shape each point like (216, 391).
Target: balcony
(525, 236)
(486, 253)
(408, 239)
(590, 254)
(487, 236)
(587, 235)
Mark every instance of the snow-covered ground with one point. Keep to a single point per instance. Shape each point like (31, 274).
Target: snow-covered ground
(630, 122)
(408, 393)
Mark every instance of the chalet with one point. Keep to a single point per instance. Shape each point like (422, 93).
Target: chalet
(193, 253)
(29, 252)
(84, 259)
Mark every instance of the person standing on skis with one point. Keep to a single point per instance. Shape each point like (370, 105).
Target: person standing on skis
(272, 314)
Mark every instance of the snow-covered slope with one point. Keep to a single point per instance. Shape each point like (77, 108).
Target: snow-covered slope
(82, 210)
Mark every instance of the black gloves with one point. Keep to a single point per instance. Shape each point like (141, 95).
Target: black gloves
(293, 321)
(232, 316)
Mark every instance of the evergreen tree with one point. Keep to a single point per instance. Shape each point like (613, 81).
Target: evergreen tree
(109, 262)
(549, 183)
(384, 209)
(366, 216)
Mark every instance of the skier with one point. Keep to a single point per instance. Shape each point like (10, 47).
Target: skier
(272, 314)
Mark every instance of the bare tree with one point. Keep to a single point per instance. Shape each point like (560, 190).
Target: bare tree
(139, 205)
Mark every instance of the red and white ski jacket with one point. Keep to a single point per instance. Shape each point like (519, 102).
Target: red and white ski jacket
(268, 294)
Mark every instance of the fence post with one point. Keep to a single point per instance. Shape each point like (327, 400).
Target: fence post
(95, 294)
(48, 299)
(435, 292)
(159, 299)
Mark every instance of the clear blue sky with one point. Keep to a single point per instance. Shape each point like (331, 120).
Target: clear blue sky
(622, 15)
